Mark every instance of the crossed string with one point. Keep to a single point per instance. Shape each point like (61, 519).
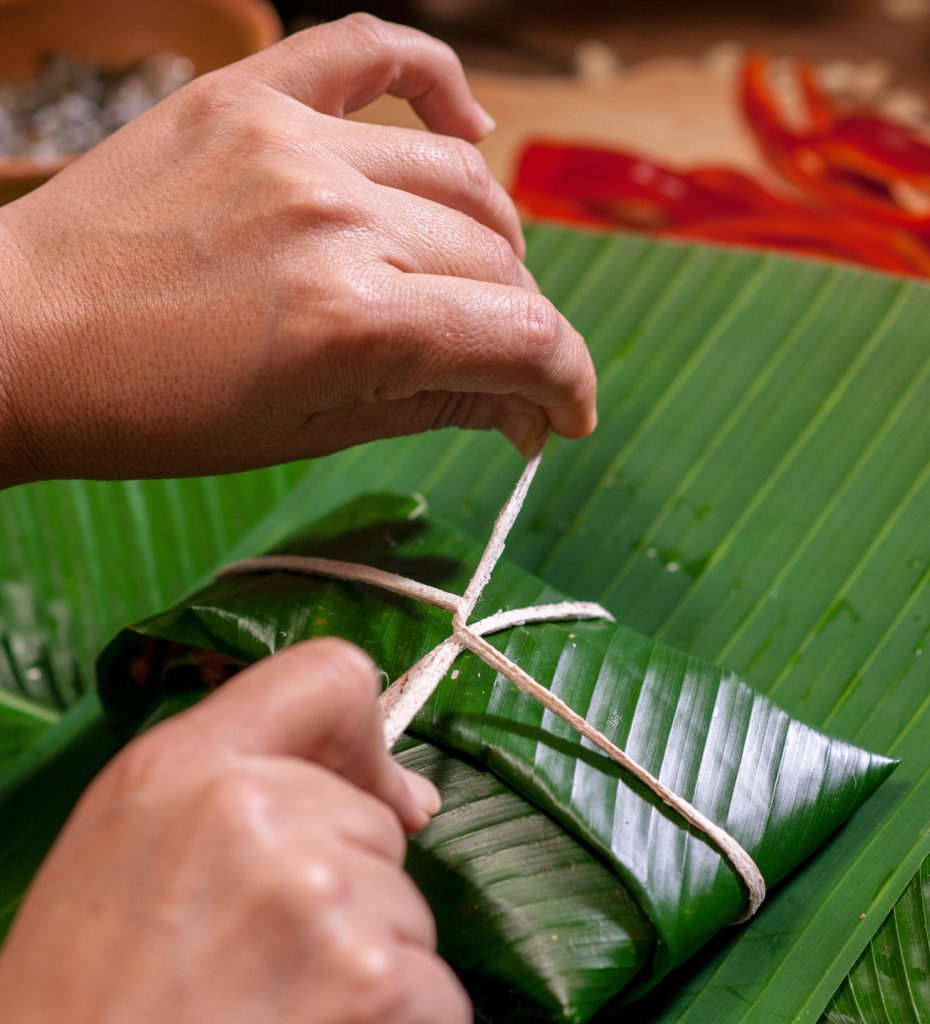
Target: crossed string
(403, 699)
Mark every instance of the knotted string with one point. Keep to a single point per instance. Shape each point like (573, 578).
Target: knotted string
(403, 699)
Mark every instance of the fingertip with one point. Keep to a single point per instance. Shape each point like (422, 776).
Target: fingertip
(474, 125)
(573, 422)
(488, 124)
(412, 797)
(424, 797)
(587, 423)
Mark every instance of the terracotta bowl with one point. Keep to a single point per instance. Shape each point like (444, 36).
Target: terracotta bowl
(114, 35)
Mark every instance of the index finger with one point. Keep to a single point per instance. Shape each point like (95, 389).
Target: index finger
(462, 336)
(344, 65)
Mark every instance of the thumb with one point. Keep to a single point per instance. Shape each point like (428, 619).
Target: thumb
(518, 419)
(315, 701)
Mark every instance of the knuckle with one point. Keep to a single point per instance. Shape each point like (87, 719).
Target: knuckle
(366, 25)
(367, 292)
(541, 325)
(319, 885)
(587, 385)
(505, 212)
(359, 318)
(546, 348)
(305, 204)
(303, 904)
(499, 255)
(234, 803)
(207, 99)
(253, 139)
(371, 970)
(503, 202)
(138, 765)
(445, 54)
(472, 167)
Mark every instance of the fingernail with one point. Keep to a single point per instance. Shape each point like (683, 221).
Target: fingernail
(425, 794)
(522, 432)
(489, 123)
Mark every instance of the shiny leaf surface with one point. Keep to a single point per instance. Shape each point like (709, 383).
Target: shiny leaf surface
(537, 927)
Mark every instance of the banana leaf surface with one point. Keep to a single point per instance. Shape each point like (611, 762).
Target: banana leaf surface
(38, 673)
(757, 493)
(778, 786)
(890, 983)
(538, 929)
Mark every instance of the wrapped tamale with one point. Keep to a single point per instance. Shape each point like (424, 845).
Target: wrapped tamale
(561, 886)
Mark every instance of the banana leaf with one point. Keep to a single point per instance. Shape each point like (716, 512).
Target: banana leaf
(761, 483)
(38, 674)
(779, 787)
(538, 929)
(40, 788)
(21, 723)
(890, 983)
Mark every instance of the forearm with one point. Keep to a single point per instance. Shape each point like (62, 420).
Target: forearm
(23, 316)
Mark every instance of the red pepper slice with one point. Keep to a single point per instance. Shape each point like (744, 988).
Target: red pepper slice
(851, 162)
(844, 168)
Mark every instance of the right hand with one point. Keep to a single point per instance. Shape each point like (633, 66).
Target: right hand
(241, 863)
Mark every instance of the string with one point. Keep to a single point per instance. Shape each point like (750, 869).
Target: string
(403, 699)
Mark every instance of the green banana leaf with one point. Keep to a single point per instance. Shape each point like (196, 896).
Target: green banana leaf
(890, 983)
(38, 675)
(777, 786)
(38, 791)
(21, 723)
(758, 493)
(525, 922)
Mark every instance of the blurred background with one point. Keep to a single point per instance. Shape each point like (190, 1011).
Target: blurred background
(542, 37)
(798, 124)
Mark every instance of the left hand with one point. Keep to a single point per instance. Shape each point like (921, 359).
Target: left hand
(239, 277)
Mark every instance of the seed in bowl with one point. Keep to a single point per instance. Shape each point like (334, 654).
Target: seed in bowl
(70, 105)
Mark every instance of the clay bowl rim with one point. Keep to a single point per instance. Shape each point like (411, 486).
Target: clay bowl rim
(266, 30)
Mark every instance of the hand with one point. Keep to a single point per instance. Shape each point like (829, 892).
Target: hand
(240, 277)
(240, 863)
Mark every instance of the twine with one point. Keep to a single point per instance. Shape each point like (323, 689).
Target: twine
(403, 699)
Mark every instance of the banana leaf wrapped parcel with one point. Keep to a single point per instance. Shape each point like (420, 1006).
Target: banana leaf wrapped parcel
(562, 887)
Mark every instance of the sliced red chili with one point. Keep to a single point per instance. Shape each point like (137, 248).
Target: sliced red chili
(845, 172)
